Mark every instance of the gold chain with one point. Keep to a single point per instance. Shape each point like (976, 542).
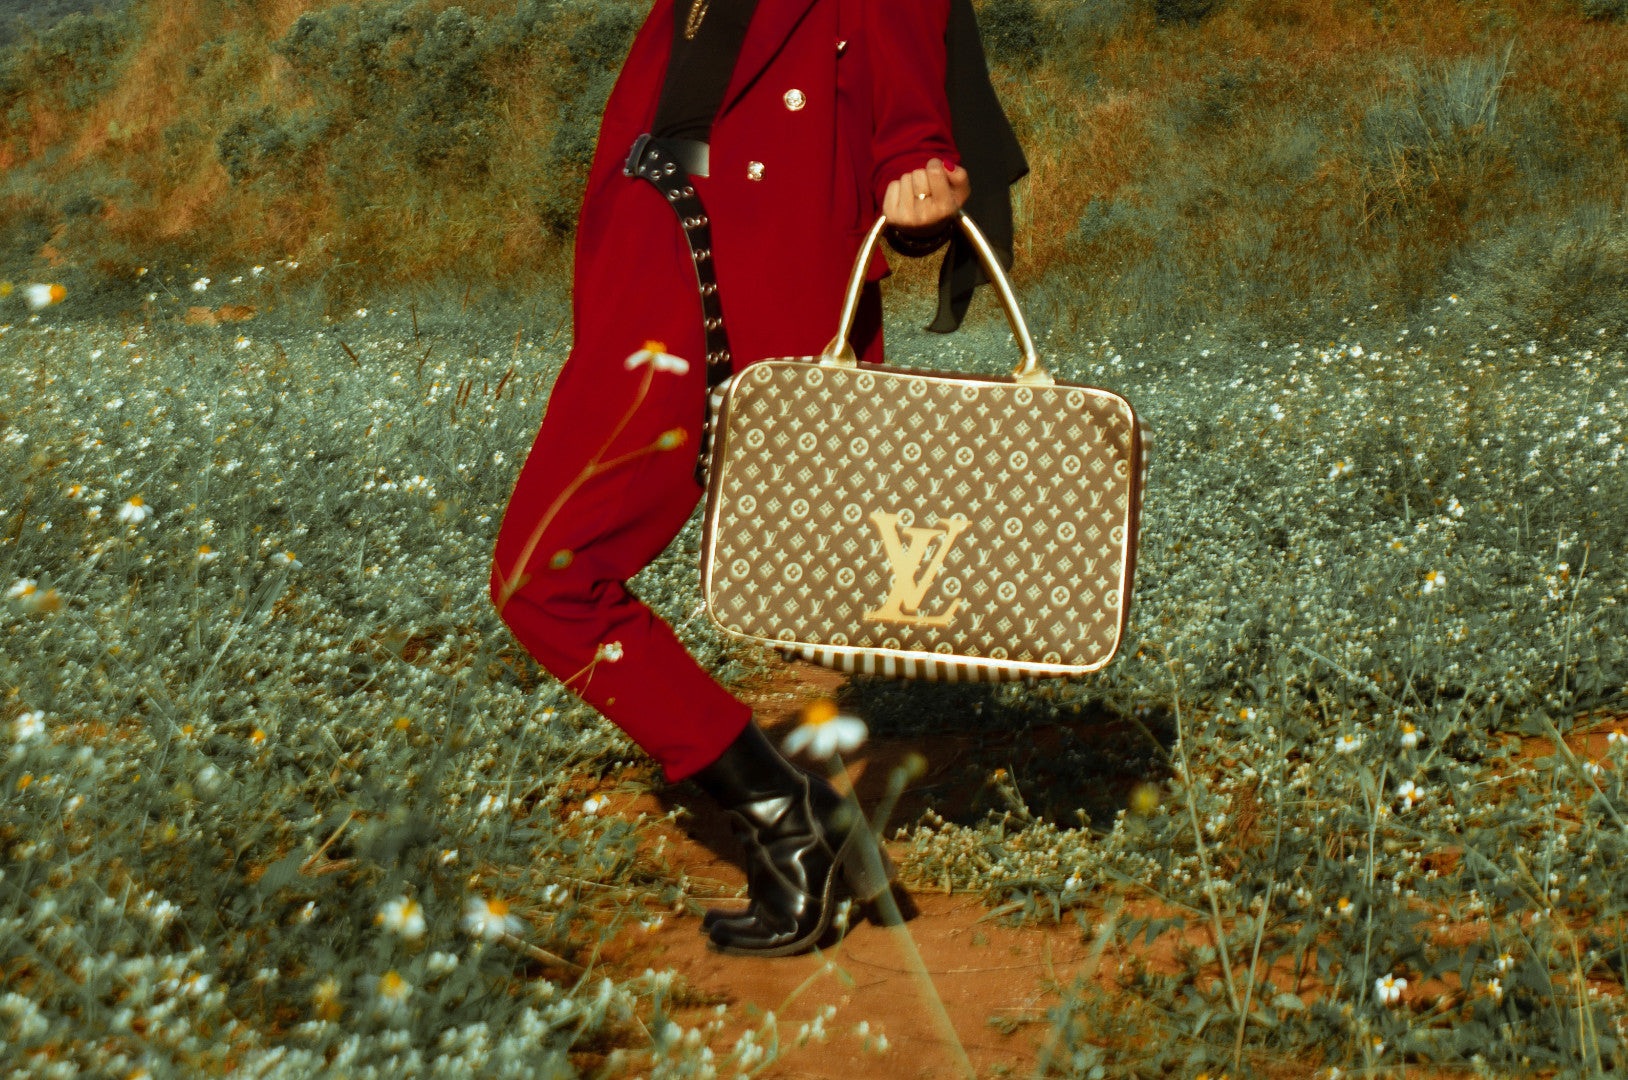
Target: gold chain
(698, 11)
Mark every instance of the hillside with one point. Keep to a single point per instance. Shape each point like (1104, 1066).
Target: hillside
(1264, 166)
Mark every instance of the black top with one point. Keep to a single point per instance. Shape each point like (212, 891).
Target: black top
(698, 72)
(992, 157)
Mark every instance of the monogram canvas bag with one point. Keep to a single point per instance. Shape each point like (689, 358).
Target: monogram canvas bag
(922, 524)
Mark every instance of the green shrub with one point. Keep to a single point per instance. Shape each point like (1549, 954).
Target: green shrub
(1184, 12)
(75, 61)
(593, 55)
(1544, 276)
(1013, 33)
(1086, 24)
(1605, 10)
(256, 143)
(1224, 93)
(1435, 113)
(417, 80)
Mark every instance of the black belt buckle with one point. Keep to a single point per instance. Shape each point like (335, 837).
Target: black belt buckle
(631, 165)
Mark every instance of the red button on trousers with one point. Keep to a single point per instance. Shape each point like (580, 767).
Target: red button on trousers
(596, 501)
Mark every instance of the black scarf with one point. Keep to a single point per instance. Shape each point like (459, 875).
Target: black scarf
(992, 157)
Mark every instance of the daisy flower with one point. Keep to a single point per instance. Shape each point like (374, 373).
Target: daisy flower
(610, 651)
(40, 296)
(490, 919)
(825, 731)
(655, 353)
(135, 511)
(1409, 736)
(1410, 792)
(30, 725)
(49, 600)
(1434, 580)
(1347, 744)
(1389, 989)
(391, 991)
(404, 915)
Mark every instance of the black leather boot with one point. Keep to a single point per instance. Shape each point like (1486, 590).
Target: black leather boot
(803, 853)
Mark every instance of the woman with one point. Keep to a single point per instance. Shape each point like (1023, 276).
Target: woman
(797, 121)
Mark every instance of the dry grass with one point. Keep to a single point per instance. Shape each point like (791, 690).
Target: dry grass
(1239, 140)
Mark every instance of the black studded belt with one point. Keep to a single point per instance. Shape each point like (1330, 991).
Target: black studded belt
(668, 163)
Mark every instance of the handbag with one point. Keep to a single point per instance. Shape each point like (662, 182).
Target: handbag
(922, 524)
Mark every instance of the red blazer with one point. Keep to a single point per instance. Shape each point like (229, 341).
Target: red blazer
(792, 190)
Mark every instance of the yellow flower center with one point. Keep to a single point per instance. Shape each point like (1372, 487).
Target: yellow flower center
(498, 907)
(822, 711)
(655, 346)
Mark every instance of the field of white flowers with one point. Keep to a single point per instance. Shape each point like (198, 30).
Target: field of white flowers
(281, 796)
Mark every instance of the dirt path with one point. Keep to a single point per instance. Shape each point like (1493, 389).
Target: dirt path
(981, 970)
(996, 982)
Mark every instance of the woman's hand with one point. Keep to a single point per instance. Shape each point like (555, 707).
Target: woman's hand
(919, 202)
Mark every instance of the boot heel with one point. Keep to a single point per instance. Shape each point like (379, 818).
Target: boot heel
(862, 879)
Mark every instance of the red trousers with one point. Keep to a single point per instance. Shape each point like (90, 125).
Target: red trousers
(584, 522)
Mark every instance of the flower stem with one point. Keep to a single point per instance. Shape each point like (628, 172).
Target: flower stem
(594, 466)
(1203, 854)
(901, 933)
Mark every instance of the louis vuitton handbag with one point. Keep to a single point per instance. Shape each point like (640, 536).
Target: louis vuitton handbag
(922, 524)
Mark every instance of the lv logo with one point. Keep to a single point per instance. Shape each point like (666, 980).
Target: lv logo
(908, 591)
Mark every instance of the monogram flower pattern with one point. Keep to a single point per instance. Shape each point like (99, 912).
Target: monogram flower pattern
(865, 516)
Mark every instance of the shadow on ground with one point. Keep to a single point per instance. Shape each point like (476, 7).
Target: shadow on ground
(985, 754)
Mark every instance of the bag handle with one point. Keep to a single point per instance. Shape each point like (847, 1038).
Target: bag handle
(840, 352)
